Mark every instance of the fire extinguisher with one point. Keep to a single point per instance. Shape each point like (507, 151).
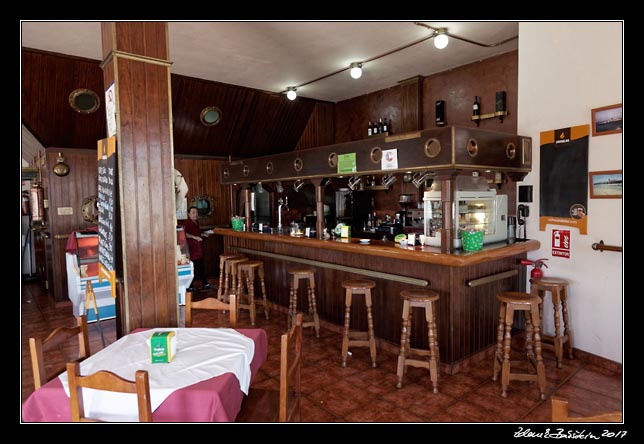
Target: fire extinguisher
(536, 272)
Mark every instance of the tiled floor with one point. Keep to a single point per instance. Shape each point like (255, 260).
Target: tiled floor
(359, 393)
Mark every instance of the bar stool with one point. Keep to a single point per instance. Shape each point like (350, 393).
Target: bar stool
(222, 289)
(511, 301)
(232, 276)
(358, 339)
(308, 275)
(558, 288)
(424, 299)
(246, 269)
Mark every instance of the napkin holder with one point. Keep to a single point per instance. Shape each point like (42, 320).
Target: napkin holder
(163, 346)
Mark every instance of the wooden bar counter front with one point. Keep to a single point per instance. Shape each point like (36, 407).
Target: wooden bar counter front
(467, 312)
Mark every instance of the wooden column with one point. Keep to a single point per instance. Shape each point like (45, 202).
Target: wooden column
(447, 200)
(319, 208)
(247, 210)
(136, 60)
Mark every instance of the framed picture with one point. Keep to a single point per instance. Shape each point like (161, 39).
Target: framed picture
(605, 184)
(607, 120)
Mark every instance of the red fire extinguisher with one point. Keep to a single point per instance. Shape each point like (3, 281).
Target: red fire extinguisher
(536, 272)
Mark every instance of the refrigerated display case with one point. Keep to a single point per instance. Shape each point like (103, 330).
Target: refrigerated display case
(82, 266)
(471, 210)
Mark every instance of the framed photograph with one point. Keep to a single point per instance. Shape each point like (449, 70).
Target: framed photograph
(605, 184)
(607, 120)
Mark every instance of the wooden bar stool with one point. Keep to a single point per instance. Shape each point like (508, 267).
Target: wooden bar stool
(222, 289)
(308, 275)
(511, 301)
(358, 339)
(232, 276)
(246, 270)
(424, 299)
(558, 288)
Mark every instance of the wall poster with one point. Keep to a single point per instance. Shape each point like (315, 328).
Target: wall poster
(564, 178)
(107, 196)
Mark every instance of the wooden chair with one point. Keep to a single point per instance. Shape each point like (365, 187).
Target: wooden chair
(212, 303)
(560, 414)
(283, 405)
(38, 346)
(108, 381)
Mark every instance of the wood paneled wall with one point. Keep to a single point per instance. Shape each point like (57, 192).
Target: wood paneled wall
(458, 87)
(352, 116)
(203, 178)
(411, 105)
(319, 130)
(47, 81)
(67, 191)
(254, 123)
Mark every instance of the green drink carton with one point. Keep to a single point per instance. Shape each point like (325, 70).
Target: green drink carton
(163, 346)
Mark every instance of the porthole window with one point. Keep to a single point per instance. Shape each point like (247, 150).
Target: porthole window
(210, 116)
(84, 101)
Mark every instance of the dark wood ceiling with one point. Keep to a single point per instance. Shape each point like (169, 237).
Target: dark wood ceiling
(254, 123)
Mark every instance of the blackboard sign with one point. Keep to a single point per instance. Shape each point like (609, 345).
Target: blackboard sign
(564, 178)
(107, 210)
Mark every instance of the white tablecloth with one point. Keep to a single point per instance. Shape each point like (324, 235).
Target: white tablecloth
(202, 353)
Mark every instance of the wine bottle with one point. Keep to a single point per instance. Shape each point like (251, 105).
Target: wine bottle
(376, 129)
(385, 127)
(370, 130)
(475, 107)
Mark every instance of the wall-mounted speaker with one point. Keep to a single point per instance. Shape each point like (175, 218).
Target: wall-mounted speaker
(440, 113)
(525, 193)
(500, 101)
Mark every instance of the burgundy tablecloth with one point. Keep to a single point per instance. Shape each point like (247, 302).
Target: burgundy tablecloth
(216, 399)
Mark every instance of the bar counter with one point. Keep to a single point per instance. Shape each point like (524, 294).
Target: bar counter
(467, 282)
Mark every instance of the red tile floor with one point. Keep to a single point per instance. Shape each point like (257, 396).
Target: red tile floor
(359, 393)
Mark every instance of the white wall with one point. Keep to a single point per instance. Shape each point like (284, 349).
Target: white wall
(565, 70)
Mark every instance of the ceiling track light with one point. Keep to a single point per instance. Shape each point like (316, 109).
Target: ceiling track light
(439, 34)
(356, 70)
(443, 31)
(441, 40)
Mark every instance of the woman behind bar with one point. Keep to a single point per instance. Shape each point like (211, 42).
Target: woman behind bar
(194, 237)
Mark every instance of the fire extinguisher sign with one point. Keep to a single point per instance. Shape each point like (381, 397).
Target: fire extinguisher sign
(561, 243)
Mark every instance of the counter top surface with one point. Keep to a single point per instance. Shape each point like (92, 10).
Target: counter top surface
(393, 250)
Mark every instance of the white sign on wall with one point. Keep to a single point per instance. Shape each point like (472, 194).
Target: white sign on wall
(110, 110)
(389, 159)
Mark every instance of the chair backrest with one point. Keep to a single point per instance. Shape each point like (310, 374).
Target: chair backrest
(38, 346)
(211, 303)
(108, 381)
(560, 414)
(290, 380)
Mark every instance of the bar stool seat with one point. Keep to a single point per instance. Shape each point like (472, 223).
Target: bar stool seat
(221, 290)
(511, 301)
(558, 289)
(426, 300)
(308, 275)
(247, 270)
(358, 339)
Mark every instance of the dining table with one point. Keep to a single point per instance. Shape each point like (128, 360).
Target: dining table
(211, 399)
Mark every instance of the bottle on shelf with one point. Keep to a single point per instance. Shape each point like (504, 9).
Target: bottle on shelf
(475, 107)
(385, 127)
(370, 130)
(376, 128)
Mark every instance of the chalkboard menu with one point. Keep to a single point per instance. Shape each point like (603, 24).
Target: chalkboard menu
(107, 210)
(564, 178)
